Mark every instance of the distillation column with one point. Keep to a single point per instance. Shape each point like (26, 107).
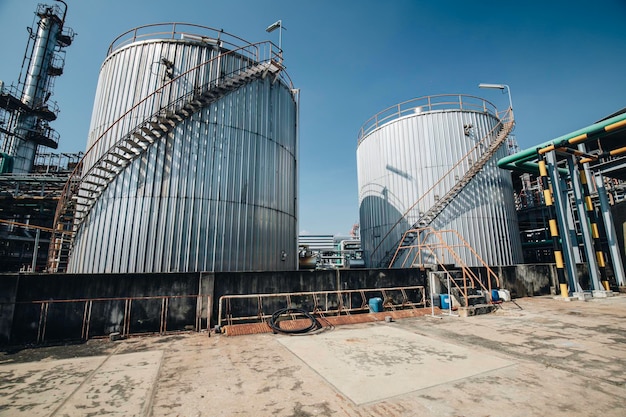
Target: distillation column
(32, 111)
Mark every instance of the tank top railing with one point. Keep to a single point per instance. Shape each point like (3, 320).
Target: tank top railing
(179, 31)
(426, 104)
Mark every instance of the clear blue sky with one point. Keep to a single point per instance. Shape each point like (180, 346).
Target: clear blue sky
(565, 62)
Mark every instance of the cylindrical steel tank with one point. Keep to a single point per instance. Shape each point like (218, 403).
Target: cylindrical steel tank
(218, 191)
(411, 157)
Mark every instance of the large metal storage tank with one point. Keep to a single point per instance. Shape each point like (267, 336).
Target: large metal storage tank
(411, 156)
(216, 189)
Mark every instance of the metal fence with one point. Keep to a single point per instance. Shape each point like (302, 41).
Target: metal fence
(85, 318)
(235, 309)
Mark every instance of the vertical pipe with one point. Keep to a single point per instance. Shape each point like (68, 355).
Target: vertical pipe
(35, 250)
(593, 225)
(198, 312)
(554, 229)
(450, 297)
(209, 310)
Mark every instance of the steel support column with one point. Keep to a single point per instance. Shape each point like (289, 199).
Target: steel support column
(585, 221)
(561, 205)
(609, 227)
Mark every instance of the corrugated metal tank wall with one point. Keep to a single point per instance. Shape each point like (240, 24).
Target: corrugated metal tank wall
(400, 160)
(217, 194)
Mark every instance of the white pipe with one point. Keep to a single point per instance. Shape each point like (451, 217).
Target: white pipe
(432, 288)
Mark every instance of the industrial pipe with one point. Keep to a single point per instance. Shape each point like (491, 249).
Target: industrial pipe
(521, 160)
(614, 152)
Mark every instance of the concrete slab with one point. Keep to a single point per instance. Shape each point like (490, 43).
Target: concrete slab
(377, 362)
(39, 388)
(98, 385)
(569, 361)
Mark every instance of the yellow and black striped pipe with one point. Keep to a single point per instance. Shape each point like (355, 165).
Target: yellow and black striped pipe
(599, 131)
(614, 152)
(595, 230)
(523, 161)
(554, 228)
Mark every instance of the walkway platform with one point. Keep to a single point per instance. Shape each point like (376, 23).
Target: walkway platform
(534, 357)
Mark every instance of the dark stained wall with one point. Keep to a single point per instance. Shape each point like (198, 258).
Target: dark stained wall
(19, 293)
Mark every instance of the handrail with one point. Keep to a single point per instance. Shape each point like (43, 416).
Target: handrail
(171, 106)
(178, 78)
(123, 39)
(78, 169)
(506, 115)
(76, 175)
(425, 104)
(336, 308)
(441, 244)
(44, 306)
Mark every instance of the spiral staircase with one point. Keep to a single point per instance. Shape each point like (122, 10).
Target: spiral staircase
(87, 183)
(499, 134)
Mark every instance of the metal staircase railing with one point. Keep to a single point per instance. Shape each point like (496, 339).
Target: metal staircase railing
(83, 189)
(138, 140)
(432, 246)
(503, 128)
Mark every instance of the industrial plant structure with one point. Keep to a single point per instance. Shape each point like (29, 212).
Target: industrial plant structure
(430, 164)
(31, 177)
(191, 163)
(578, 174)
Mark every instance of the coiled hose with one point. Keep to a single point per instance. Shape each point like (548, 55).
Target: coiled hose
(275, 324)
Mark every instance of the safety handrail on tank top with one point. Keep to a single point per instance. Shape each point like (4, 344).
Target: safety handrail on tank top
(507, 115)
(171, 34)
(426, 104)
(76, 175)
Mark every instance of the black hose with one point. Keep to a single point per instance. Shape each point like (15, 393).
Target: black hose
(275, 324)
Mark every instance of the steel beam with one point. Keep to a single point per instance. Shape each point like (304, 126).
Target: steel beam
(561, 208)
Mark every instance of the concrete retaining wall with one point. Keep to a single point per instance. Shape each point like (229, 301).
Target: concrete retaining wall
(22, 297)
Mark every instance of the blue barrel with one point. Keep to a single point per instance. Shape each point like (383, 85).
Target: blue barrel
(376, 304)
(495, 295)
(445, 301)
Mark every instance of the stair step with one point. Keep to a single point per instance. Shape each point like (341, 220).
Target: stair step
(105, 169)
(91, 186)
(158, 126)
(166, 121)
(119, 155)
(127, 150)
(97, 184)
(114, 163)
(183, 112)
(173, 116)
(149, 133)
(142, 138)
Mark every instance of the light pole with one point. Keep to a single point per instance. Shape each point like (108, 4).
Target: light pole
(499, 87)
(277, 25)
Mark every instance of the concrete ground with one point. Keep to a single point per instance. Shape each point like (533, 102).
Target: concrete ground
(535, 357)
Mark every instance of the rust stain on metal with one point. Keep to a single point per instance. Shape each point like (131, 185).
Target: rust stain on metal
(326, 321)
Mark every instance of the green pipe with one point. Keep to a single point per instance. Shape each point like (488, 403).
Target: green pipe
(519, 161)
